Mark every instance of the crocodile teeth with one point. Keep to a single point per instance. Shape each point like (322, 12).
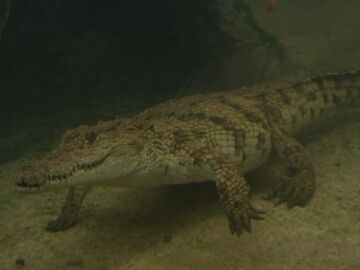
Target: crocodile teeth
(57, 177)
(81, 165)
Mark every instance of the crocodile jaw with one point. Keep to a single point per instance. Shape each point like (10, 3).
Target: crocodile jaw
(102, 175)
(115, 165)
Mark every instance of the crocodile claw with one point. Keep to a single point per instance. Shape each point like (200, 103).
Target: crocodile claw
(240, 218)
(62, 223)
(295, 191)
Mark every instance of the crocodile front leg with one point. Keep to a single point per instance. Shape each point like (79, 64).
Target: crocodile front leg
(298, 186)
(233, 191)
(70, 209)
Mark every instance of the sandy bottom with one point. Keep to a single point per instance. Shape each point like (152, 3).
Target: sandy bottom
(183, 227)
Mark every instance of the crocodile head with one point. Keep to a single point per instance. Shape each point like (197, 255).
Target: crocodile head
(85, 156)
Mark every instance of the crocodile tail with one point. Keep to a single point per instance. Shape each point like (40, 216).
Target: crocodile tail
(307, 101)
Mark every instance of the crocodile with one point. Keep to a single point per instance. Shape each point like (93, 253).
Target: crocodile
(217, 137)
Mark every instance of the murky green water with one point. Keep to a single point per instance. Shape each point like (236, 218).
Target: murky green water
(85, 71)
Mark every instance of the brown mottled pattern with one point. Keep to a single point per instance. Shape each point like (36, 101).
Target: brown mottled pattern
(312, 99)
(218, 136)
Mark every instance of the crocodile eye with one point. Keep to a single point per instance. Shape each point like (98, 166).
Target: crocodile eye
(70, 134)
(91, 136)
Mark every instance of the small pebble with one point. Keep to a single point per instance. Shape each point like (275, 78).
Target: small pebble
(74, 261)
(19, 262)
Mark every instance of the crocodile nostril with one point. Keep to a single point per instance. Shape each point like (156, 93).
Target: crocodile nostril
(27, 181)
(24, 180)
(21, 181)
(90, 136)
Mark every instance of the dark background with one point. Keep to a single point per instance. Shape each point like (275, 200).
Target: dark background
(51, 49)
(65, 63)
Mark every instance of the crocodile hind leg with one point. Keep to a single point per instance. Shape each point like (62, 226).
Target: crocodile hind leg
(233, 191)
(70, 209)
(298, 185)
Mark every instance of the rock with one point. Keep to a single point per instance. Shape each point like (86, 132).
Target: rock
(74, 260)
(19, 262)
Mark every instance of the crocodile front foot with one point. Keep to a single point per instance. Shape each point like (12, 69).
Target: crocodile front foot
(70, 210)
(61, 223)
(233, 191)
(240, 214)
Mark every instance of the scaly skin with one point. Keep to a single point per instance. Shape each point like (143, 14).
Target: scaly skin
(219, 137)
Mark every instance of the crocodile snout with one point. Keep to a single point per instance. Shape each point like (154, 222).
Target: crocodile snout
(29, 180)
